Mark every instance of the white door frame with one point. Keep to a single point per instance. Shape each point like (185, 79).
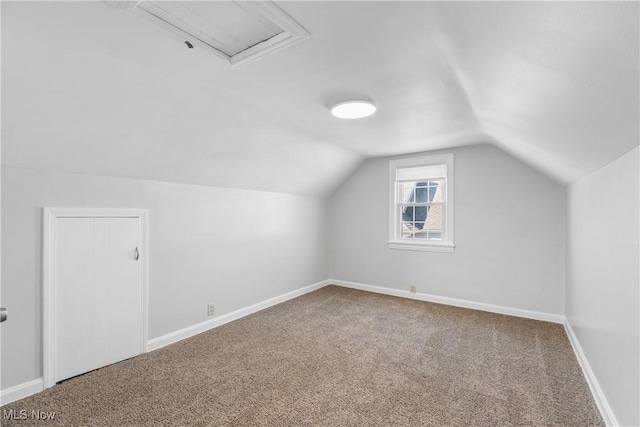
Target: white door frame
(49, 274)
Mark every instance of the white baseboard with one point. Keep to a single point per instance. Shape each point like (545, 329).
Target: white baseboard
(21, 391)
(594, 386)
(518, 312)
(190, 331)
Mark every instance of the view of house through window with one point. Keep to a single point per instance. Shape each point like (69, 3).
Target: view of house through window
(421, 208)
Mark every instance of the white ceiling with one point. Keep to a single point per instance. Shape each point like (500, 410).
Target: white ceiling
(93, 89)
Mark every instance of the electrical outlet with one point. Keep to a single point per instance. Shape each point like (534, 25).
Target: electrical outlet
(412, 289)
(210, 309)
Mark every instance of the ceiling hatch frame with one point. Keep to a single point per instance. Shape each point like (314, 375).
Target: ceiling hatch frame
(292, 31)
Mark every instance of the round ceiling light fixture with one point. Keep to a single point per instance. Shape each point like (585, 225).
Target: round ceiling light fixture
(354, 109)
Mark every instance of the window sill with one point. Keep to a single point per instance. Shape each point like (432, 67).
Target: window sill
(422, 246)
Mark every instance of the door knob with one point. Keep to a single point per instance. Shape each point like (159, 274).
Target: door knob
(136, 254)
(3, 314)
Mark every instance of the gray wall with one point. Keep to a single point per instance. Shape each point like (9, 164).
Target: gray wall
(602, 296)
(224, 246)
(509, 235)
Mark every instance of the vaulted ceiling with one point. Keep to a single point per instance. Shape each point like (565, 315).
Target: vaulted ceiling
(93, 89)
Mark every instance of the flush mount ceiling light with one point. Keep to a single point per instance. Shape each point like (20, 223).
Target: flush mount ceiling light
(354, 109)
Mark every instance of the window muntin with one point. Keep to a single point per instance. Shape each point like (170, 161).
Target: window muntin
(421, 203)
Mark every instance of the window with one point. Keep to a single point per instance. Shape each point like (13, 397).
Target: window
(421, 203)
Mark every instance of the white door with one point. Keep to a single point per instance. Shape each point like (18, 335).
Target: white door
(98, 293)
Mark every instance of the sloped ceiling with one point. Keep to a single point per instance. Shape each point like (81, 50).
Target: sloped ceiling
(91, 89)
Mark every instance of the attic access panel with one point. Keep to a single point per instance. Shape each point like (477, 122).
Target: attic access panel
(238, 31)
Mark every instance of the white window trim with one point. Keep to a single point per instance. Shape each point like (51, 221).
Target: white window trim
(447, 242)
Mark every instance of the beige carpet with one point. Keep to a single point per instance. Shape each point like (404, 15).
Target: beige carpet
(339, 357)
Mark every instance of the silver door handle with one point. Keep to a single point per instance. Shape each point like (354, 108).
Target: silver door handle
(3, 314)
(137, 254)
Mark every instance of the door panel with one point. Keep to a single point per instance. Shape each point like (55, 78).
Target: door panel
(76, 346)
(98, 293)
(125, 285)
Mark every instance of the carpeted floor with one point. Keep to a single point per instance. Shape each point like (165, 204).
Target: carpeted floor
(339, 357)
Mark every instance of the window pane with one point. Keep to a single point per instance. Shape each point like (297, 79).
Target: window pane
(422, 192)
(421, 213)
(409, 213)
(406, 222)
(438, 193)
(406, 231)
(433, 225)
(421, 231)
(406, 192)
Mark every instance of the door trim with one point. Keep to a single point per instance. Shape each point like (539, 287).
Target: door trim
(50, 215)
